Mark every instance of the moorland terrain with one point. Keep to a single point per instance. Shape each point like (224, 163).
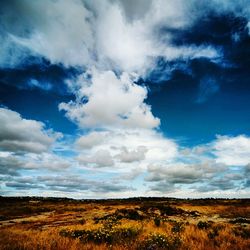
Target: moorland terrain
(134, 224)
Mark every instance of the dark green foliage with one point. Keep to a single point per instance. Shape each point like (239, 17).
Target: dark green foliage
(158, 241)
(242, 232)
(194, 213)
(240, 220)
(214, 231)
(103, 235)
(3, 217)
(157, 221)
(82, 221)
(203, 225)
(165, 210)
(178, 227)
(131, 214)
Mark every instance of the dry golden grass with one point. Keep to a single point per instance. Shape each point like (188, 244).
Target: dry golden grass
(135, 225)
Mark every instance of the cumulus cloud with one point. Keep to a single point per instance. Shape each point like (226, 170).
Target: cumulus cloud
(228, 181)
(21, 135)
(110, 101)
(9, 164)
(203, 177)
(145, 146)
(134, 155)
(232, 150)
(101, 158)
(90, 140)
(13, 164)
(47, 29)
(109, 34)
(48, 161)
(247, 169)
(176, 173)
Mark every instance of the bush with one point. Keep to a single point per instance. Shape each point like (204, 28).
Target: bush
(157, 221)
(214, 231)
(203, 225)
(130, 214)
(178, 227)
(240, 220)
(165, 210)
(158, 241)
(82, 221)
(242, 232)
(103, 235)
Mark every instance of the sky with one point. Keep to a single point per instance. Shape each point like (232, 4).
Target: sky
(124, 98)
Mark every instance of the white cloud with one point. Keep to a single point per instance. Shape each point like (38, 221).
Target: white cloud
(108, 34)
(110, 101)
(232, 150)
(175, 173)
(21, 135)
(9, 164)
(12, 164)
(134, 155)
(143, 147)
(89, 140)
(124, 43)
(132, 44)
(49, 161)
(56, 30)
(101, 158)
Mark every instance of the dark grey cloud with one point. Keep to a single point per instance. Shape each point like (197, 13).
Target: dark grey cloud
(21, 135)
(13, 164)
(225, 182)
(69, 183)
(163, 187)
(131, 156)
(9, 165)
(22, 183)
(73, 183)
(135, 10)
(202, 177)
(182, 174)
(247, 169)
(23, 186)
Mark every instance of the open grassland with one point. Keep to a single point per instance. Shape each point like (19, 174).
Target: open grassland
(140, 223)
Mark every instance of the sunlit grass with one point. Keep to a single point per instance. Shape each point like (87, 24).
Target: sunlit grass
(117, 225)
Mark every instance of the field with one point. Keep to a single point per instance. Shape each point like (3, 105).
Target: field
(136, 223)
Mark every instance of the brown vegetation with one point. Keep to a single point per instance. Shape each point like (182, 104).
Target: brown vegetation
(143, 223)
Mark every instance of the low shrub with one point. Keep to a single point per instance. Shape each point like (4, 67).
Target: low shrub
(82, 221)
(157, 221)
(130, 214)
(103, 235)
(203, 225)
(169, 210)
(178, 227)
(241, 232)
(157, 241)
(215, 231)
(240, 220)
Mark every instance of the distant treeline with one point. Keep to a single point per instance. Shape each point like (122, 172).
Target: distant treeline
(200, 201)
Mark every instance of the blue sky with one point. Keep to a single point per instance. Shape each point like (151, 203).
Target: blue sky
(120, 98)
